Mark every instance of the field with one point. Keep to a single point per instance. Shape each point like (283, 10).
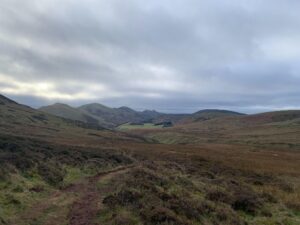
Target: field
(58, 172)
(140, 183)
(129, 126)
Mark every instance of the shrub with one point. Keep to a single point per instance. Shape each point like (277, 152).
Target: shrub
(191, 209)
(218, 196)
(51, 173)
(10, 199)
(124, 197)
(37, 188)
(18, 189)
(246, 201)
(160, 215)
(124, 218)
(3, 174)
(225, 215)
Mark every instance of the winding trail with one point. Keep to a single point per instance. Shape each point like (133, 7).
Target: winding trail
(84, 210)
(78, 204)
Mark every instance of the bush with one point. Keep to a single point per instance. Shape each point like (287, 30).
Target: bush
(3, 174)
(124, 197)
(51, 173)
(191, 209)
(10, 199)
(225, 215)
(18, 189)
(247, 202)
(218, 196)
(37, 188)
(160, 215)
(124, 218)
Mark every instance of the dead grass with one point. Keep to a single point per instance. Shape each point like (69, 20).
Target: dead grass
(221, 174)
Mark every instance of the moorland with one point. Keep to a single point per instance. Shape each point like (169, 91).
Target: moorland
(92, 165)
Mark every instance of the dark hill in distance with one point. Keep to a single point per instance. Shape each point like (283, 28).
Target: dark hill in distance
(109, 117)
(280, 118)
(287, 116)
(23, 121)
(208, 114)
(208, 119)
(279, 129)
(66, 111)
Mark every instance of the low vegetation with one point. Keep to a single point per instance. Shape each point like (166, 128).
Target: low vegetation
(134, 126)
(215, 171)
(31, 170)
(198, 192)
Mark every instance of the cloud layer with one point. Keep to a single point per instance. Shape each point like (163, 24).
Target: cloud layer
(172, 55)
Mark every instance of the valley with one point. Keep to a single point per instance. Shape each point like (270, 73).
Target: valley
(211, 167)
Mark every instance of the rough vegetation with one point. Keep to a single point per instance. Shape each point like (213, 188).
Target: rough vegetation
(57, 172)
(29, 169)
(197, 192)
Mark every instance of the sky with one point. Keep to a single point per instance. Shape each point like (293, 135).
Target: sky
(175, 56)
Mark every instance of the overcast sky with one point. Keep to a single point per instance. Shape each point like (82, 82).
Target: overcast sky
(168, 55)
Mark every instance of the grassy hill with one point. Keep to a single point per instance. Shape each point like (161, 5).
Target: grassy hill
(278, 129)
(23, 121)
(40, 154)
(68, 112)
(56, 171)
(207, 114)
(96, 113)
(289, 116)
(112, 116)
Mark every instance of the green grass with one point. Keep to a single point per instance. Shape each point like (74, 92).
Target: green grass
(31, 171)
(129, 126)
(16, 194)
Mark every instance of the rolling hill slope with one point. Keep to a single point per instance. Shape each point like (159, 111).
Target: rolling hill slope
(208, 114)
(23, 121)
(276, 129)
(68, 112)
(96, 113)
(56, 171)
(111, 116)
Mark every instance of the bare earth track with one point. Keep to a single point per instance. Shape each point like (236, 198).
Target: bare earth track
(84, 210)
(83, 199)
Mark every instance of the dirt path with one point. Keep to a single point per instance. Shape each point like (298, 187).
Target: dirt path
(78, 203)
(85, 209)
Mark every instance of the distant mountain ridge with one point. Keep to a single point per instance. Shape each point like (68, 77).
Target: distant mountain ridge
(113, 117)
(68, 112)
(101, 114)
(18, 119)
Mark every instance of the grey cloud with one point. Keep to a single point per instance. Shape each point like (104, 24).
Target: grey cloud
(167, 55)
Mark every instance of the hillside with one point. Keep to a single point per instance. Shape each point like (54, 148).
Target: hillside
(112, 116)
(56, 171)
(23, 121)
(68, 112)
(207, 114)
(279, 129)
(96, 113)
(289, 116)
(239, 121)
